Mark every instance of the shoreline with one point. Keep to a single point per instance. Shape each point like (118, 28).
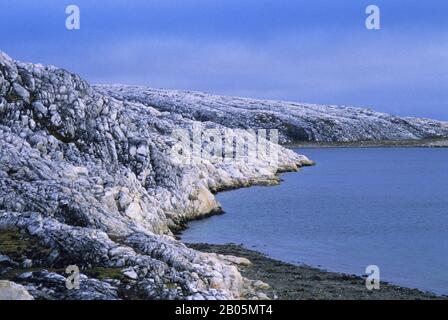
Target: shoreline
(301, 282)
(181, 226)
(88, 178)
(424, 143)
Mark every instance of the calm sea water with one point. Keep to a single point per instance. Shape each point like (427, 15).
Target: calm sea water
(357, 207)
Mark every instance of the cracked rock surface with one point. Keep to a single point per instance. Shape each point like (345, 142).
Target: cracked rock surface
(297, 122)
(89, 180)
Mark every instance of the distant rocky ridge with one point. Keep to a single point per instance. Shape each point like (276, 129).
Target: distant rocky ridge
(87, 179)
(297, 122)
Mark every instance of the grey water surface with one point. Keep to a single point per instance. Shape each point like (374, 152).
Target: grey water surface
(357, 207)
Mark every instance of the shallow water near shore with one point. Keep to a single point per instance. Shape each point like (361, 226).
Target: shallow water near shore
(357, 207)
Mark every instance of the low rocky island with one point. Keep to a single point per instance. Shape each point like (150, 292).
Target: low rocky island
(87, 179)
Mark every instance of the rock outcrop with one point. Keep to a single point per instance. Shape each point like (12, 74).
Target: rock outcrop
(297, 122)
(89, 180)
(13, 291)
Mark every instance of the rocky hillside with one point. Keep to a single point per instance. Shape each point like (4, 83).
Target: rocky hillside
(297, 122)
(89, 180)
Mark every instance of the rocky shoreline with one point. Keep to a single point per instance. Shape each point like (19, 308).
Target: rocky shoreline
(300, 282)
(423, 143)
(88, 178)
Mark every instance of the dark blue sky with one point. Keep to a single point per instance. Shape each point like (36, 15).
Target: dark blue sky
(316, 51)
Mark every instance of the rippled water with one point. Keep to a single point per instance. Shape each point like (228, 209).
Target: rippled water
(357, 207)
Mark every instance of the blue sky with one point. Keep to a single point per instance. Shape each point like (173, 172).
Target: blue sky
(316, 51)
